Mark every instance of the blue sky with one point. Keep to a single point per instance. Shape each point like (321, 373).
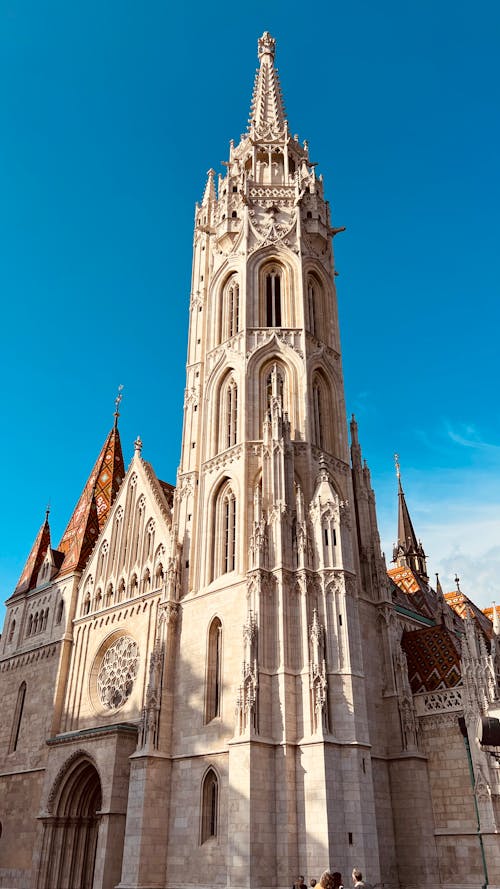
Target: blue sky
(110, 116)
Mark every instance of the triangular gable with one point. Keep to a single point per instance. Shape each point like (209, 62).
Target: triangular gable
(157, 497)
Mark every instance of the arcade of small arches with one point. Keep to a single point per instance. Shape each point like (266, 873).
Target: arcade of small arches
(108, 595)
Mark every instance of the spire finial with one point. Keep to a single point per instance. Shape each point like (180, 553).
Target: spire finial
(138, 445)
(266, 46)
(457, 581)
(398, 470)
(47, 511)
(117, 404)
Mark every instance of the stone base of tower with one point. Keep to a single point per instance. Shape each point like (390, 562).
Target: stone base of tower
(337, 825)
(256, 836)
(145, 848)
(417, 859)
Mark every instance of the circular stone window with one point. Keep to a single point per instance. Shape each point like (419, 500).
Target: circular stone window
(117, 672)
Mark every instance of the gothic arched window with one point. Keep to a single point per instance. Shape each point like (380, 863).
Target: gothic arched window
(209, 806)
(321, 410)
(230, 315)
(59, 612)
(272, 284)
(311, 305)
(228, 415)
(11, 631)
(318, 418)
(224, 551)
(214, 671)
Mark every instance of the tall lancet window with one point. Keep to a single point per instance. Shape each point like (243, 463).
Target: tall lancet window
(318, 416)
(229, 320)
(232, 308)
(273, 297)
(228, 414)
(213, 693)
(311, 305)
(209, 806)
(224, 547)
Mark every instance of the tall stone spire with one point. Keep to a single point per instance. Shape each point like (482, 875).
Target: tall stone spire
(95, 501)
(267, 112)
(408, 551)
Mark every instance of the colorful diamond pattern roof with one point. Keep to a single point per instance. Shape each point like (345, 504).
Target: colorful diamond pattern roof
(462, 605)
(33, 564)
(93, 507)
(433, 658)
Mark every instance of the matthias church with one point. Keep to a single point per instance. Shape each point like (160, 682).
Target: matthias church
(219, 684)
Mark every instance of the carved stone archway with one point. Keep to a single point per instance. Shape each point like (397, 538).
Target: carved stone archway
(71, 828)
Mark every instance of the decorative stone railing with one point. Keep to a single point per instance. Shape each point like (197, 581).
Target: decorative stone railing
(443, 700)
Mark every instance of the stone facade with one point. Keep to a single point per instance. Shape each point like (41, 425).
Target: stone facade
(212, 685)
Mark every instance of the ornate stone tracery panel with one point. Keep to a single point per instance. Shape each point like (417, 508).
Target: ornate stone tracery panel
(117, 672)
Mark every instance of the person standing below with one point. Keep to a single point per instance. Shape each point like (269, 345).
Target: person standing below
(312, 883)
(327, 880)
(357, 880)
(299, 883)
(337, 880)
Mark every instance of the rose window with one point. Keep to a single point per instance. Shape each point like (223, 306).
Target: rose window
(117, 672)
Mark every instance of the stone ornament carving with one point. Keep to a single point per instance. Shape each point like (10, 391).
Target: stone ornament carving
(246, 705)
(317, 671)
(117, 672)
(446, 700)
(441, 721)
(79, 754)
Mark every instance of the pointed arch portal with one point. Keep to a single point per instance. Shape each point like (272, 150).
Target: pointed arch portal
(70, 836)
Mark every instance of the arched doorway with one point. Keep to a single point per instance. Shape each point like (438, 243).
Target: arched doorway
(70, 836)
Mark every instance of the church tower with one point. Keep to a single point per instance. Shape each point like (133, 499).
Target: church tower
(266, 532)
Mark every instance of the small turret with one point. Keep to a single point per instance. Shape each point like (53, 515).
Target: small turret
(28, 579)
(408, 551)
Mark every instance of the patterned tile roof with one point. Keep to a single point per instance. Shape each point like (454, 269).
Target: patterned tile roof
(461, 604)
(418, 594)
(27, 581)
(93, 507)
(433, 658)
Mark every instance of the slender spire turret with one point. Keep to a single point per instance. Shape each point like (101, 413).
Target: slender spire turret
(27, 581)
(408, 552)
(267, 112)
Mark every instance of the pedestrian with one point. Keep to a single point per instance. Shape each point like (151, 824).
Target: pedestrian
(357, 880)
(326, 880)
(299, 883)
(312, 882)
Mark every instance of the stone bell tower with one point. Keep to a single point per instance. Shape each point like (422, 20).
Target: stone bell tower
(265, 525)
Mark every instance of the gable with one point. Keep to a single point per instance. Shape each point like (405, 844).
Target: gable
(131, 554)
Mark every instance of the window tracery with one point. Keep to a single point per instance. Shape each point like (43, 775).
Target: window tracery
(118, 670)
